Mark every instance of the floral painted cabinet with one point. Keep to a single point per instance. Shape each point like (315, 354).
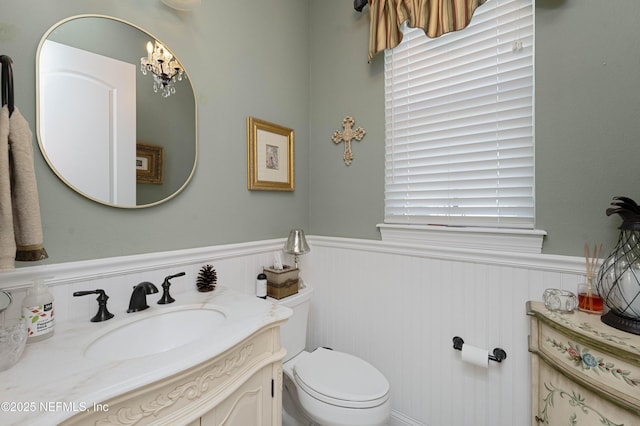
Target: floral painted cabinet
(583, 372)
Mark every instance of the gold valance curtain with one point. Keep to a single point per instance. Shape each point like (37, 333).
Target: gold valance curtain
(435, 17)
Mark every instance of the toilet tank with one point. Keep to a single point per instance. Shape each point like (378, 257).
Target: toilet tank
(293, 333)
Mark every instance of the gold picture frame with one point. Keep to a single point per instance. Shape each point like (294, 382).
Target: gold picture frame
(270, 160)
(149, 163)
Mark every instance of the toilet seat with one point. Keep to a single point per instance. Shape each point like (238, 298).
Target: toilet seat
(341, 379)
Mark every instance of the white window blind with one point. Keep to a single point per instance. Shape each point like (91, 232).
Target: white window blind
(459, 123)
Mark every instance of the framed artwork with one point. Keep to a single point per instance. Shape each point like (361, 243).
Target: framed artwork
(149, 161)
(270, 156)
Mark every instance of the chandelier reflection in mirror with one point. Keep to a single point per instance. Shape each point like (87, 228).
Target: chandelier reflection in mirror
(166, 69)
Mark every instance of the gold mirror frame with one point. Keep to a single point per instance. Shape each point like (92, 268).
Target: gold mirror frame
(148, 83)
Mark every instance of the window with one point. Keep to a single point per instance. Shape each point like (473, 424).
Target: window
(459, 123)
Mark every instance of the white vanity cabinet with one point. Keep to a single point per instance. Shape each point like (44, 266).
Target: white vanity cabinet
(583, 372)
(251, 404)
(240, 387)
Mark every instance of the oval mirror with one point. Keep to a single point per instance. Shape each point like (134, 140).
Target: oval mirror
(109, 123)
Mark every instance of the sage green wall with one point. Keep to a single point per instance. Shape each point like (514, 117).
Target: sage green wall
(245, 58)
(345, 201)
(303, 64)
(587, 120)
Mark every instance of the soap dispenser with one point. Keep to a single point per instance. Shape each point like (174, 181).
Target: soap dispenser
(261, 286)
(37, 309)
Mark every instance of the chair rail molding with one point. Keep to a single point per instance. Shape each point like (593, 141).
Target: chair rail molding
(87, 270)
(545, 262)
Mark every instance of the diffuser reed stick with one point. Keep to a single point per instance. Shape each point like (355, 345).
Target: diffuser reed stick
(591, 263)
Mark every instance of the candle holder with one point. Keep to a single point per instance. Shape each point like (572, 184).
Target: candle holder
(557, 300)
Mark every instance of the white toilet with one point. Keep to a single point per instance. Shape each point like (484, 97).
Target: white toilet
(327, 387)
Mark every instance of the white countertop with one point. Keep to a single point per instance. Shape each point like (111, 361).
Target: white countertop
(54, 380)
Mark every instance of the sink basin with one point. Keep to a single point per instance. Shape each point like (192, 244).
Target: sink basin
(154, 334)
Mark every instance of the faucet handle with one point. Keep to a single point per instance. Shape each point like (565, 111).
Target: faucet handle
(103, 313)
(166, 297)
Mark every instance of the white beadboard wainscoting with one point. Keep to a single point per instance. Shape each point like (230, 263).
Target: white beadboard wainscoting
(399, 307)
(237, 266)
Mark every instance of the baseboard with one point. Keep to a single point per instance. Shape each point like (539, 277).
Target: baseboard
(399, 419)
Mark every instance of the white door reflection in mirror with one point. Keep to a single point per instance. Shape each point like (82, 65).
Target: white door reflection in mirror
(88, 121)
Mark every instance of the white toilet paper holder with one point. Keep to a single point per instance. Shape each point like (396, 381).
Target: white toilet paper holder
(499, 354)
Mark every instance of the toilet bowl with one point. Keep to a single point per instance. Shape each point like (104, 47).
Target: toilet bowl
(327, 387)
(332, 388)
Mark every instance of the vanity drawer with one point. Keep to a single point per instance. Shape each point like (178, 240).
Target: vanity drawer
(575, 356)
(579, 359)
(565, 402)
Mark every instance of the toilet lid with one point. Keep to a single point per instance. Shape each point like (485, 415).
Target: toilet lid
(341, 379)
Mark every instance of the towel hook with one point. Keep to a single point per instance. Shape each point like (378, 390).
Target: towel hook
(7, 82)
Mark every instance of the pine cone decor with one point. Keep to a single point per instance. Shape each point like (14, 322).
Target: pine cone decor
(207, 279)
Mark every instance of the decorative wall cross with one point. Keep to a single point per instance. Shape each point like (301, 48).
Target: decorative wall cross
(347, 135)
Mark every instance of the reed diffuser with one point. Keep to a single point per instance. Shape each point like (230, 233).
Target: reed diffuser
(588, 300)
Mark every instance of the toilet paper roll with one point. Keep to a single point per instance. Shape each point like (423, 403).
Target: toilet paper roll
(475, 356)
